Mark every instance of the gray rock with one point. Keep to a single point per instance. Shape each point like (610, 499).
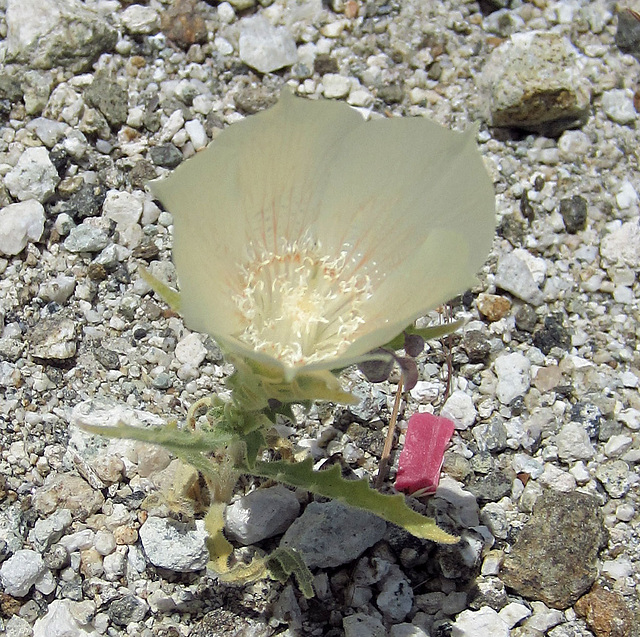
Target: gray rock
(479, 623)
(166, 155)
(406, 630)
(33, 177)
(396, 596)
(173, 545)
(491, 436)
(614, 476)
(140, 20)
(261, 514)
(534, 81)
(330, 534)
(503, 23)
(494, 518)
(555, 557)
(48, 131)
(46, 532)
(617, 105)
(53, 338)
(63, 33)
(264, 47)
(21, 571)
(573, 443)
(622, 245)
(574, 213)
(86, 238)
(460, 560)
(514, 376)
(129, 608)
(224, 622)
(628, 33)
(362, 625)
(18, 627)
(20, 223)
(514, 275)
(57, 290)
(491, 487)
(109, 98)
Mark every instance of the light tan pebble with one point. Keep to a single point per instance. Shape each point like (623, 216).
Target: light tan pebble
(126, 535)
(108, 468)
(493, 306)
(151, 458)
(547, 378)
(91, 563)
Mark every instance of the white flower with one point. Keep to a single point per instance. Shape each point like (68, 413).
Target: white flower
(305, 237)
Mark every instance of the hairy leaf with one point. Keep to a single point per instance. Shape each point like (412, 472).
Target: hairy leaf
(357, 493)
(284, 562)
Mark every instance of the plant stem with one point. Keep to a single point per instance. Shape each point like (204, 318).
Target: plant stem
(388, 443)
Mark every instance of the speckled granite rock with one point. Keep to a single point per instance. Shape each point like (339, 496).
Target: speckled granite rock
(535, 81)
(555, 558)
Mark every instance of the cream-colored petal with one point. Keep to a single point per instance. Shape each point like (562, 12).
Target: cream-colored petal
(259, 183)
(398, 214)
(424, 215)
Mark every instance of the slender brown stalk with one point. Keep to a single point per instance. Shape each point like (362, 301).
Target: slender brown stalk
(388, 443)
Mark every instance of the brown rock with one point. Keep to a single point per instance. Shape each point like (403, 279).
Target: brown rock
(9, 606)
(606, 613)
(184, 24)
(555, 557)
(492, 306)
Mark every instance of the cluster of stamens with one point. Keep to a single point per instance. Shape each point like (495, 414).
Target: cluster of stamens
(299, 305)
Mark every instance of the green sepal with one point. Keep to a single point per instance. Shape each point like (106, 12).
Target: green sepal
(357, 493)
(170, 296)
(254, 441)
(284, 562)
(427, 333)
(255, 384)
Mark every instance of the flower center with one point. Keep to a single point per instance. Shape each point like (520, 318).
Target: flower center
(299, 305)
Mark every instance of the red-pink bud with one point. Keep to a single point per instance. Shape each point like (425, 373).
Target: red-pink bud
(421, 458)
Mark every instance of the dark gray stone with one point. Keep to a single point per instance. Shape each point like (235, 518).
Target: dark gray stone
(127, 609)
(224, 622)
(166, 155)
(628, 32)
(553, 334)
(329, 534)
(574, 213)
(526, 318)
(555, 557)
(107, 358)
(490, 487)
(477, 346)
(109, 98)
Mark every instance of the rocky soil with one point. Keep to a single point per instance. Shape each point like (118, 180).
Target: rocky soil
(541, 480)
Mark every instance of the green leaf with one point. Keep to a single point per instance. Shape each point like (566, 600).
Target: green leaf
(190, 446)
(168, 436)
(357, 493)
(284, 562)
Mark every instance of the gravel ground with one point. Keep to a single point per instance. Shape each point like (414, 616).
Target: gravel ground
(541, 480)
